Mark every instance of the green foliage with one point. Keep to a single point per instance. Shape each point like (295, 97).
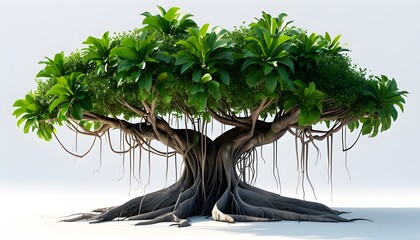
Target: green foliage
(70, 94)
(90, 125)
(333, 45)
(205, 54)
(141, 61)
(308, 49)
(33, 116)
(308, 100)
(204, 58)
(168, 22)
(98, 51)
(53, 67)
(385, 97)
(335, 76)
(189, 69)
(134, 57)
(273, 25)
(267, 57)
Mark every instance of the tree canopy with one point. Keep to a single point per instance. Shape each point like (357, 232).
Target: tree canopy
(178, 68)
(263, 80)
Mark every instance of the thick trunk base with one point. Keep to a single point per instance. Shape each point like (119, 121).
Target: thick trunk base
(242, 203)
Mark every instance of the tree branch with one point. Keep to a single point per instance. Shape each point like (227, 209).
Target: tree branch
(136, 110)
(227, 121)
(84, 131)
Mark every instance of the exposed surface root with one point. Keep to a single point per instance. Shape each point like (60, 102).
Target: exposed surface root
(80, 217)
(173, 204)
(169, 217)
(243, 203)
(246, 203)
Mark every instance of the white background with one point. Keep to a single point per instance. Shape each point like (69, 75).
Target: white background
(383, 37)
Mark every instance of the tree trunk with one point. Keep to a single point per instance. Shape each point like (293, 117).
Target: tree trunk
(210, 185)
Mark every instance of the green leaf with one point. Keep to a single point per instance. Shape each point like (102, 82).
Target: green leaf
(327, 37)
(204, 29)
(124, 53)
(311, 88)
(143, 95)
(196, 74)
(19, 103)
(196, 88)
(146, 82)
(287, 61)
(126, 65)
(248, 62)
(33, 107)
(284, 78)
(163, 93)
(55, 103)
(270, 83)
(86, 105)
(290, 103)
(21, 120)
(53, 68)
(65, 108)
(97, 126)
(152, 21)
(205, 78)
(135, 75)
(30, 123)
(171, 14)
(186, 66)
(302, 121)
(58, 90)
(224, 76)
(19, 112)
(181, 59)
(162, 76)
(201, 102)
(267, 69)
(253, 77)
(214, 90)
(77, 111)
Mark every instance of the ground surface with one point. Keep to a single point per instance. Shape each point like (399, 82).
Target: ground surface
(38, 220)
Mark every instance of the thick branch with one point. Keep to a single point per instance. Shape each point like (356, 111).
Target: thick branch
(228, 120)
(285, 121)
(270, 133)
(144, 129)
(136, 110)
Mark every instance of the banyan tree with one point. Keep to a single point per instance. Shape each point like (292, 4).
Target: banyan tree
(170, 80)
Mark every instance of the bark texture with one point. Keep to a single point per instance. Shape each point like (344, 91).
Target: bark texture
(213, 180)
